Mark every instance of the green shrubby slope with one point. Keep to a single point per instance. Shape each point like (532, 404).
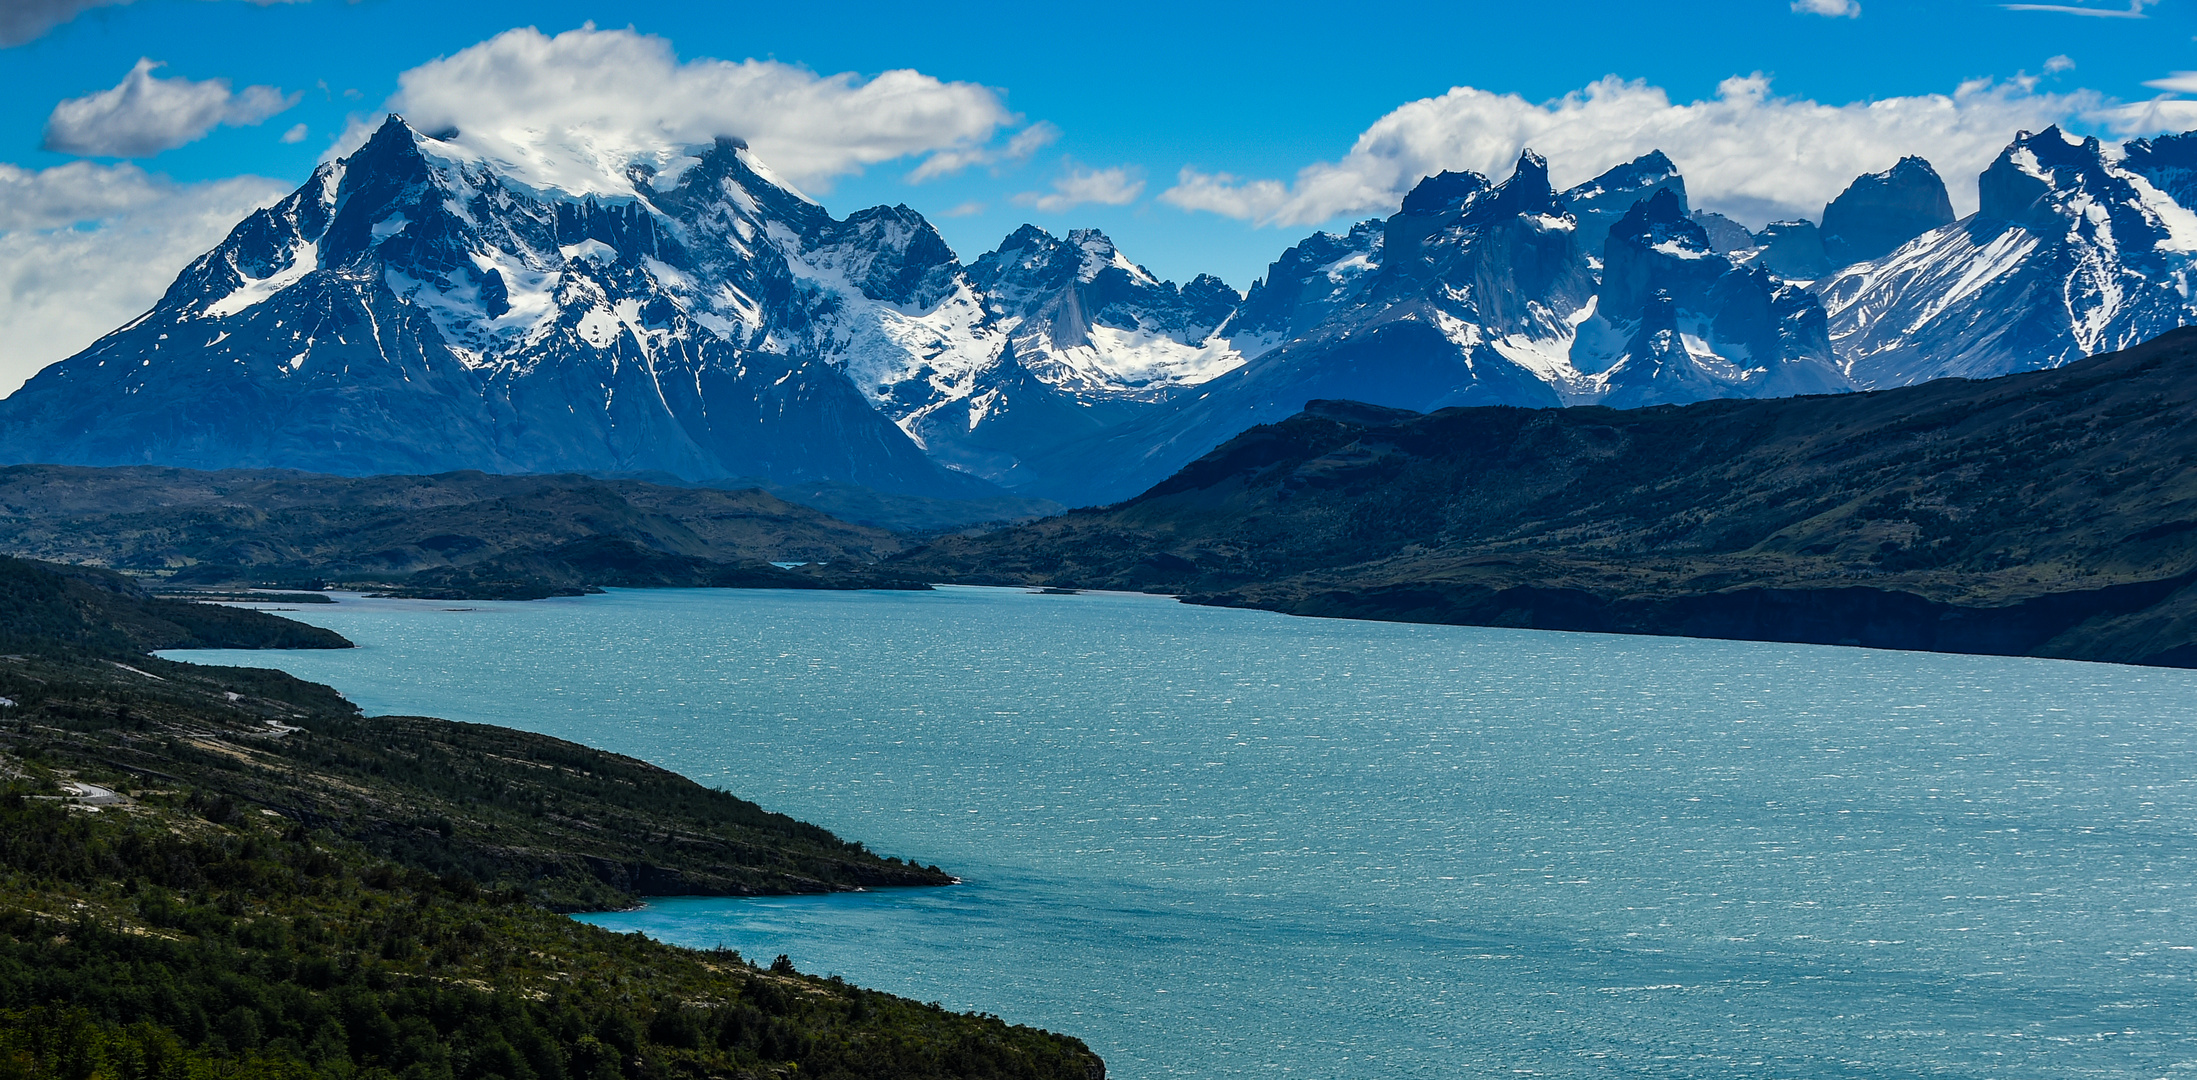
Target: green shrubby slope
(211, 873)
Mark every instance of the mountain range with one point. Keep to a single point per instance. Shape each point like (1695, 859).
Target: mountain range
(421, 306)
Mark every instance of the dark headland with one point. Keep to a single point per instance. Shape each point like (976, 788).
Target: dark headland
(229, 872)
(2052, 513)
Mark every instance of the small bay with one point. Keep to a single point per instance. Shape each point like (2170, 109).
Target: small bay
(1215, 842)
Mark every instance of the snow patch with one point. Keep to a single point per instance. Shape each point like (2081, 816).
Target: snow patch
(590, 250)
(304, 258)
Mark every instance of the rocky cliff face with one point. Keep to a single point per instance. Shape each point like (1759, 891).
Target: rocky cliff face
(1675, 321)
(2169, 162)
(1483, 293)
(2069, 254)
(1879, 212)
(1599, 202)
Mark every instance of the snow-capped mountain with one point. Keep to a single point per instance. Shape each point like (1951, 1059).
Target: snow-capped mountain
(1675, 320)
(1599, 202)
(420, 306)
(1477, 293)
(410, 310)
(432, 302)
(2070, 253)
(1087, 338)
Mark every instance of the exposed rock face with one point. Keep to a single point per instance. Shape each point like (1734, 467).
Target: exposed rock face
(1695, 324)
(413, 309)
(1480, 293)
(1879, 212)
(1726, 237)
(2069, 255)
(1793, 249)
(1599, 202)
(2169, 162)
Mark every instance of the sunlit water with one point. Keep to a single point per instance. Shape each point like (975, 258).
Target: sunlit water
(1217, 843)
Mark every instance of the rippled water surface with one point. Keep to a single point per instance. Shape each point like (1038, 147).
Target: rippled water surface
(1218, 843)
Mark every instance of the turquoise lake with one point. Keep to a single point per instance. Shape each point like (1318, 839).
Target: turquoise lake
(1229, 843)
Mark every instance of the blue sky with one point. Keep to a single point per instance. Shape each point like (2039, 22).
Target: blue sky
(1137, 93)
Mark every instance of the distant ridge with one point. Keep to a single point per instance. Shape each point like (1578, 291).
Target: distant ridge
(2049, 513)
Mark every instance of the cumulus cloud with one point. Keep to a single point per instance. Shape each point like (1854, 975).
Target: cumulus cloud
(2151, 117)
(560, 109)
(143, 115)
(1118, 186)
(1745, 152)
(1837, 9)
(2053, 65)
(85, 248)
(296, 134)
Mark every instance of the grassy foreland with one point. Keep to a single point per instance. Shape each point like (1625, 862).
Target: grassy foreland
(226, 872)
(457, 535)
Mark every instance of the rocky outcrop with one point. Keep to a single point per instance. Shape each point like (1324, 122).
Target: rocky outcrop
(1880, 211)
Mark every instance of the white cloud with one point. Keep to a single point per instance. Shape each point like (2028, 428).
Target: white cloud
(296, 134)
(1848, 9)
(2180, 82)
(2055, 64)
(1017, 150)
(562, 110)
(2135, 9)
(85, 248)
(1117, 186)
(143, 115)
(968, 209)
(1744, 152)
(2150, 117)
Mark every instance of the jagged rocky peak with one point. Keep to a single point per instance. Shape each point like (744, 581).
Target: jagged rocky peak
(1527, 192)
(1725, 235)
(1442, 192)
(421, 306)
(1676, 320)
(1792, 250)
(2068, 255)
(2169, 162)
(1443, 211)
(1599, 202)
(1083, 281)
(1880, 211)
(1657, 248)
(1032, 265)
(889, 253)
(2031, 181)
(1321, 275)
(2075, 193)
